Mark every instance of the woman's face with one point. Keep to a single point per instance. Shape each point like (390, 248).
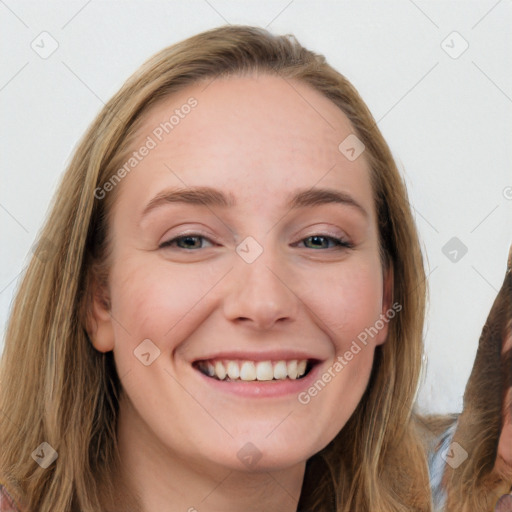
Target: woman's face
(244, 243)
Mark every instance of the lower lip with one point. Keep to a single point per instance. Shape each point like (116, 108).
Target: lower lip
(263, 389)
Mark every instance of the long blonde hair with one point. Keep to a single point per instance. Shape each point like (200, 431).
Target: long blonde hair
(56, 388)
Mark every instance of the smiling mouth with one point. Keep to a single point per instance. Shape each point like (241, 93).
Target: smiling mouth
(250, 371)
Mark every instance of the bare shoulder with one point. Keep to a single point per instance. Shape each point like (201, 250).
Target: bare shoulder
(7, 502)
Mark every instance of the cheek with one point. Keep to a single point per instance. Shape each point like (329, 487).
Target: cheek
(348, 302)
(348, 306)
(158, 302)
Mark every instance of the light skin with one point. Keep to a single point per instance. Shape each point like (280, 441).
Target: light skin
(259, 141)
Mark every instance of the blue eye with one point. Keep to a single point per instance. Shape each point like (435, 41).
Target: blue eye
(195, 241)
(325, 242)
(186, 242)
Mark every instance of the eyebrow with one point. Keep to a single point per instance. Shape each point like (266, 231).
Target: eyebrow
(208, 196)
(319, 196)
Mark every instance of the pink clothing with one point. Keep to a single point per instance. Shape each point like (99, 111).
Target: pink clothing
(7, 503)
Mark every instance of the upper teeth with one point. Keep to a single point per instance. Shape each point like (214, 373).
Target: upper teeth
(254, 370)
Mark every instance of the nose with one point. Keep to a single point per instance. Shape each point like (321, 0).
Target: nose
(260, 294)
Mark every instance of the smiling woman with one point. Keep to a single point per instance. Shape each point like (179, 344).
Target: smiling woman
(260, 252)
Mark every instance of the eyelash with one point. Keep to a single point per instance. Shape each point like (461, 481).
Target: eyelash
(340, 243)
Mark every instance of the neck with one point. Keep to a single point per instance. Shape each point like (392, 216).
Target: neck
(167, 482)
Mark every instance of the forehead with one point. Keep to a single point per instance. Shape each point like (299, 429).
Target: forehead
(257, 132)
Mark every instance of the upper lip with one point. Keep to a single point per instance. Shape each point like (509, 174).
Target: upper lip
(271, 355)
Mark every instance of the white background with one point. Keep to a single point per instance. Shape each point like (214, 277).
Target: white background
(447, 121)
